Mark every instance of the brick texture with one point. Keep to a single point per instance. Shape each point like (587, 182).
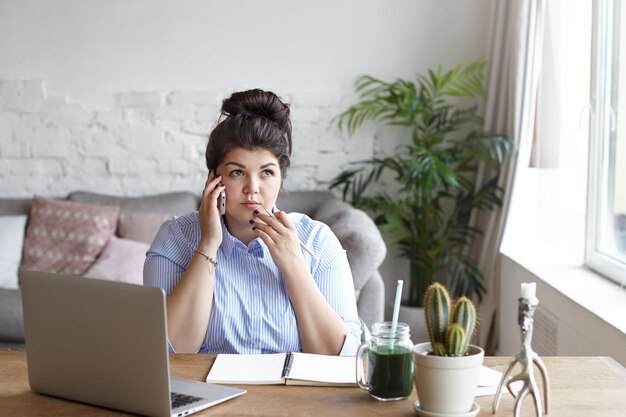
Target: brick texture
(147, 142)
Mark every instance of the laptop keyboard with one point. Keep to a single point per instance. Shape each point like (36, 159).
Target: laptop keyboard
(179, 400)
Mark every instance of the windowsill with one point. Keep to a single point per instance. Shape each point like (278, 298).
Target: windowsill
(585, 287)
(545, 235)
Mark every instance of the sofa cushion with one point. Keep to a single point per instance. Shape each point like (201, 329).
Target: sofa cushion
(358, 235)
(15, 206)
(121, 260)
(11, 316)
(11, 242)
(175, 203)
(306, 202)
(141, 227)
(66, 237)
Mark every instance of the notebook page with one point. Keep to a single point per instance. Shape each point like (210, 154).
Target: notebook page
(323, 368)
(247, 369)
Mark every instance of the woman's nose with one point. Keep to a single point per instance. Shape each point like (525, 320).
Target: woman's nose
(251, 186)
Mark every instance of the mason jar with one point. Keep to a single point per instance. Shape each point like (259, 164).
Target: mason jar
(384, 365)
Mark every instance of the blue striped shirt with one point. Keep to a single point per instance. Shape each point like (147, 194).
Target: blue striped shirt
(251, 310)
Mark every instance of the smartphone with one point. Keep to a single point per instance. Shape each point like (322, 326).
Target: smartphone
(221, 202)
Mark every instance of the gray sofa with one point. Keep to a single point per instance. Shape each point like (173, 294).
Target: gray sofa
(355, 230)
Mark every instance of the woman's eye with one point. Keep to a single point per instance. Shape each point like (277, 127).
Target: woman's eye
(236, 173)
(268, 173)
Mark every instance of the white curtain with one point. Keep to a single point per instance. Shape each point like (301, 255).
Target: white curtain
(514, 64)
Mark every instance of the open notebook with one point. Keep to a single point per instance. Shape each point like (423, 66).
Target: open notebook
(284, 368)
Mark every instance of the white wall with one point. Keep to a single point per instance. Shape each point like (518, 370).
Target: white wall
(79, 121)
(578, 312)
(118, 96)
(116, 45)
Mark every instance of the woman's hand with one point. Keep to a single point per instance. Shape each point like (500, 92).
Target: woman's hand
(320, 328)
(210, 223)
(281, 238)
(190, 302)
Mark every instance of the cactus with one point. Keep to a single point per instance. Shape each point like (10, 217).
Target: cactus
(449, 333)
(437, 311)
(455, 340)
(464, 313)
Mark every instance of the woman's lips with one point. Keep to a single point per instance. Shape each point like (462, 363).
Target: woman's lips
(251, 205)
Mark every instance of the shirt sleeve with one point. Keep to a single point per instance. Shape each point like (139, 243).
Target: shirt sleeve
(166, 260)
(334, 279)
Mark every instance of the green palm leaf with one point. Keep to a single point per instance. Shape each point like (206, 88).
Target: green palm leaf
(428, 219)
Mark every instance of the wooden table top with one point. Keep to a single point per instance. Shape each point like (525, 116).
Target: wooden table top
(580, 386)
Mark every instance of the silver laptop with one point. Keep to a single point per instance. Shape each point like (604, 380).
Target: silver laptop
(105, 343)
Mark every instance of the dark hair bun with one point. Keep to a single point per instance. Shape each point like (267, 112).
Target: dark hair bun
(253, 119)
(258, 103)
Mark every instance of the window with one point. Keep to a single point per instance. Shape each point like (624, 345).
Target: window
(570, 198)
(606, 221)
(548, 203)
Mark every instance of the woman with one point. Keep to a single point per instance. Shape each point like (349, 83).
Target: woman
(240, 282)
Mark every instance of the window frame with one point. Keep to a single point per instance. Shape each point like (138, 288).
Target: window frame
(602, 127)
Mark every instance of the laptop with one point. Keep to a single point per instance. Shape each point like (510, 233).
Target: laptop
(105, 343)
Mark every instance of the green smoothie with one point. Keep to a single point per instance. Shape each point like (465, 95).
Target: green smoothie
(390, 372)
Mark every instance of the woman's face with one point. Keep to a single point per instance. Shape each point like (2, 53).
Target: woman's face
(252, 180)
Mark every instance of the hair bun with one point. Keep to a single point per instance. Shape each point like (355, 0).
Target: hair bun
(257, 102)
(253, 119)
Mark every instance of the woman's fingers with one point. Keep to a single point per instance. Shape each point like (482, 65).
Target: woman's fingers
(266, 229)
(211, 187)
(210, 177)
(275, 226)
(284, 219)
(266, 218)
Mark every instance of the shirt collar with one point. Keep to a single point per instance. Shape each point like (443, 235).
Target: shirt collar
(229, 242)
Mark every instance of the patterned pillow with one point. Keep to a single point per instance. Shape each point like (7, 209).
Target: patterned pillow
(121, 260)
(66, 237)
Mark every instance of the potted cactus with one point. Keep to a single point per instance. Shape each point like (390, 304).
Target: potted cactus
(446, 368)
(449, 333)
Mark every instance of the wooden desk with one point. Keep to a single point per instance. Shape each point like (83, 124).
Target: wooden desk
(581, 386)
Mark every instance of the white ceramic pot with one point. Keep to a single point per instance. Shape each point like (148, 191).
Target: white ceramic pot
(446, 385)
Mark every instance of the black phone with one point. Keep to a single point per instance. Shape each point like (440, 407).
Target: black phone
(221, 202)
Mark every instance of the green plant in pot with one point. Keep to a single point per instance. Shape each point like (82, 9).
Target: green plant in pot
(447, 368)
(449, 329)
(436, 181)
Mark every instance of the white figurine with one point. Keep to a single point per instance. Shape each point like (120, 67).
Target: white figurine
(526, 358)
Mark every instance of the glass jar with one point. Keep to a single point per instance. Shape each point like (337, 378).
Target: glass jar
(388, 362)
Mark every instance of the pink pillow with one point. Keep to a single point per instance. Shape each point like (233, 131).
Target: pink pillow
(141, 227)
(121, 260)
(66, 237)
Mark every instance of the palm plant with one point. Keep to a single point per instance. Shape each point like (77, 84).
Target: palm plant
(428, 218)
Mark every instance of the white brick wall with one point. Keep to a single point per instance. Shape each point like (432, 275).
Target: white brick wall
(134, 143)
